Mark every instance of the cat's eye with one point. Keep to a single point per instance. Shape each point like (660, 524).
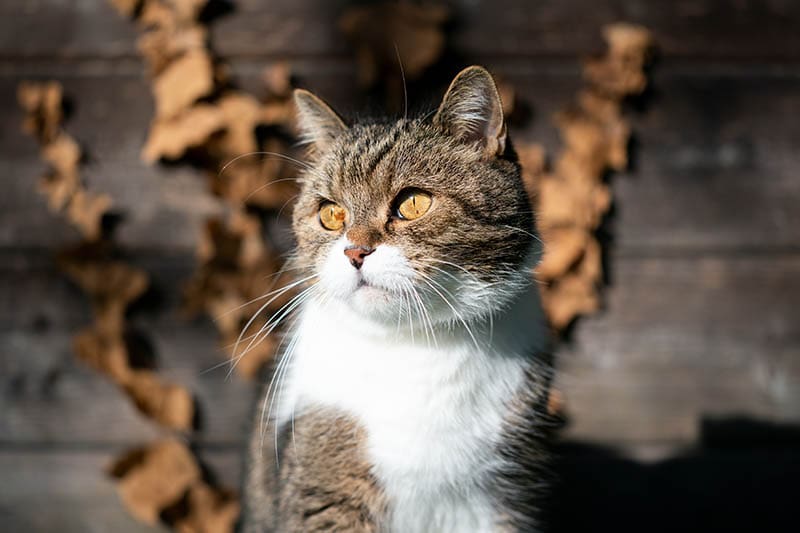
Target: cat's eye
(332, 216)
(413, 204)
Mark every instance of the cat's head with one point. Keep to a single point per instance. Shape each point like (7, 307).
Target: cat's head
(425, 218)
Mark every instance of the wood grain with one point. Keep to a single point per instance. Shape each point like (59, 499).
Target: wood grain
(682, 338)
(67, 490)
(697, 29)
(700, 321)
(714, 163)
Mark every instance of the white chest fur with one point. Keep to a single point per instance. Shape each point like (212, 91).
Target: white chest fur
(432, 413)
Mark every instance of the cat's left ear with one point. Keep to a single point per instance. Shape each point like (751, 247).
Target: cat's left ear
(473, 112)
(319, 124)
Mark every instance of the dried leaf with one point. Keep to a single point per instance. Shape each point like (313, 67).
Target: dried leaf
(572, 200)
(255, 349)
(532, 158)
(241, 114)
(208, 511)
(43, 105)
(106, 354)
(171, 138)
(564, 246)
(382, 31)
(187, 10)
(59, 188)
(182, 83)
(126, 7)
(571, 296)
(62, 153)
(161, 46)
(620, 72)
(277, 80)
(169, 404)
(86, 210)
(153, 479)
(507, 95)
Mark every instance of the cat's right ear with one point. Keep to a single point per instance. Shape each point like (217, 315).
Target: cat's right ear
(319, 125)
(472, 111)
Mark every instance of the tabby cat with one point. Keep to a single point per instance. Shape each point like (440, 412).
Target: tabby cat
(411, 395)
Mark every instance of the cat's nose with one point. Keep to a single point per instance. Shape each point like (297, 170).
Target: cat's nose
(356, 254)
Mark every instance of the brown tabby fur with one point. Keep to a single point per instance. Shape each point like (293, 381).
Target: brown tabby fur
(481, 220)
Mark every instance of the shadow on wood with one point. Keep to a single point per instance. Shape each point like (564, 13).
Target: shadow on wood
(742, 477)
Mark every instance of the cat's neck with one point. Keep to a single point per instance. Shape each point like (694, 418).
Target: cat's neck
(340, 358)
(521, 317)
(432, 412)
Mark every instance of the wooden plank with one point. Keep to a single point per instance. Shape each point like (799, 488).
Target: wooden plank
(50, 397)
(65, 492)
(682, 338)
(68, 490)
(709, 29)
(163, 207)
(714, 488)
(714, 165)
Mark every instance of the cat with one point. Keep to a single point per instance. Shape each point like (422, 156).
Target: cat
(411, 396)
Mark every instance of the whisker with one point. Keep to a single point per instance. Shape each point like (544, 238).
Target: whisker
(430, 283)
(257, 298)
(403, 77)
(272, 182)
(285, 157)
(273, 323)
(536, 237)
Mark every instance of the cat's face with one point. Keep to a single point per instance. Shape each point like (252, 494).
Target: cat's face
(420, 221)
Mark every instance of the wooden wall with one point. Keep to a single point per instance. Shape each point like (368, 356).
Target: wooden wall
(701, 321)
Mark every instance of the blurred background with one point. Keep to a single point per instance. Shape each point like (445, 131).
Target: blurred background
(681, 394)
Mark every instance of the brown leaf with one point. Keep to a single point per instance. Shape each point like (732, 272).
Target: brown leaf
(620, 72)
(59, 188)
(62, 153)
(254, 349)
(182, 83)
(110, 284)
(170, 138)
(43, 105)
(277, 80)
(154, 478)
(563, 248)
(156, 14)
(86, 210)
(187, 10)
(562, 203)
(161, 46)
(241, 113)
(532, 158)
(126, 7)
(375, 30)
(168, 404)
(571, 296)
(209, 511)
(507, 95)
(630, 42)
(106, 354)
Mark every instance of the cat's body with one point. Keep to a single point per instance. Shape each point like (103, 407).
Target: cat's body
(412, 394)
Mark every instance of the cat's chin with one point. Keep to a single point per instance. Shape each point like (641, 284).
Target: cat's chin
(374, 302)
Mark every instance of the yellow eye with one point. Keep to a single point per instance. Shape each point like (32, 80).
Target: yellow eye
(331, 216)
(414, 205)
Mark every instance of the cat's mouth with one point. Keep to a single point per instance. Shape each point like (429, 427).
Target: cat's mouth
(364, 284)
(365, 287)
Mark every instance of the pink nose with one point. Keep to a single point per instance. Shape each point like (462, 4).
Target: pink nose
(356, 254)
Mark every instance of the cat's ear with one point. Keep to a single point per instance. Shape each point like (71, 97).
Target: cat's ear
(317, 122)
(473, 112)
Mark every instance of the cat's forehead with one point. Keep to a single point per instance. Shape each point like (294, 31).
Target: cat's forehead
(378, 159)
